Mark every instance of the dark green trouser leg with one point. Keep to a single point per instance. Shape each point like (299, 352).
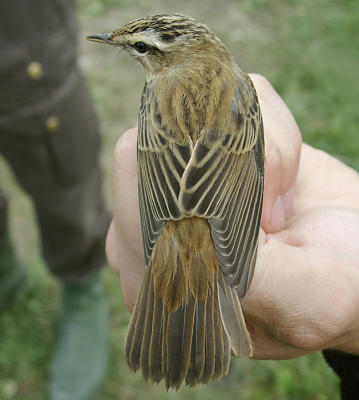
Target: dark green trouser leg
(13, 280)
(80, 361)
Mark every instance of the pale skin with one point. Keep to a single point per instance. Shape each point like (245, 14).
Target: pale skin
(304, 295)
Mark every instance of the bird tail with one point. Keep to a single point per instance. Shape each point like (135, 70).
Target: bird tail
(233, 319)
(185, 343)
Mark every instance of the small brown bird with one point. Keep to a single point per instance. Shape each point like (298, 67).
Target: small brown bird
(200, 153)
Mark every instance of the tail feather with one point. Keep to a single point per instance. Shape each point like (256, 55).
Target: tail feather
(222, 352)
(155, 359)
(179, 339)
(147, 333)
(164, 367)
(186, 338)
(197, 353)
(135, 332)
(226, 354)
(210, 344)
(233, 320)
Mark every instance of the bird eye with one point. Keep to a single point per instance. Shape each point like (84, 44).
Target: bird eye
(141, 47)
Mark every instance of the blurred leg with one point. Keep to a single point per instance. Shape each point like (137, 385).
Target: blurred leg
(13, 280)
(59, 168)
(49, 136)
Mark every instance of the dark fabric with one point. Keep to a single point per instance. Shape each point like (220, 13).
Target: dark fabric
(56, 163)
(3, 215)
(346, 366)
(38, 30)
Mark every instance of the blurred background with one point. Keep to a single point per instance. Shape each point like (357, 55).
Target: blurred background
(309, 52)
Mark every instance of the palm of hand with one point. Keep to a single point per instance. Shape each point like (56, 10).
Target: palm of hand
(304, 295)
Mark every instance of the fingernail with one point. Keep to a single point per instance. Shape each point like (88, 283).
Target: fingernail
(278, 215)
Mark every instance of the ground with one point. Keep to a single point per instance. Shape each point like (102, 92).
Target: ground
(308, 51)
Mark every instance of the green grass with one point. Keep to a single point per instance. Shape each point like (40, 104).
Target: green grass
(309, 51)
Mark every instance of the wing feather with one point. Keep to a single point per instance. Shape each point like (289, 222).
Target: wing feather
(223, 182)
(219, 180)
(161, 163)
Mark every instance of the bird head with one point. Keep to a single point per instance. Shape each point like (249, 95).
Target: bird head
(165, 41)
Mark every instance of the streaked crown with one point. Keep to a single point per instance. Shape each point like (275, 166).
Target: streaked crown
(161, 41)
(167, 27)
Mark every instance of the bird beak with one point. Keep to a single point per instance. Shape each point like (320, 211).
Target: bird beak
(101, 38)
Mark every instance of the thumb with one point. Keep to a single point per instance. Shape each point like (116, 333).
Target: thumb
(283, 144)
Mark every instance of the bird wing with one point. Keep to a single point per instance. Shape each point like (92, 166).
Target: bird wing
(223, 182)
(161, 163)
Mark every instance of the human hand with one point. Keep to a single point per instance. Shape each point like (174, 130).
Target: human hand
(304, 295)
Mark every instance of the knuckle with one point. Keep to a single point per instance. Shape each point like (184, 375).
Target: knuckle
(273, 170)
(124, 158)
(126, 143)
